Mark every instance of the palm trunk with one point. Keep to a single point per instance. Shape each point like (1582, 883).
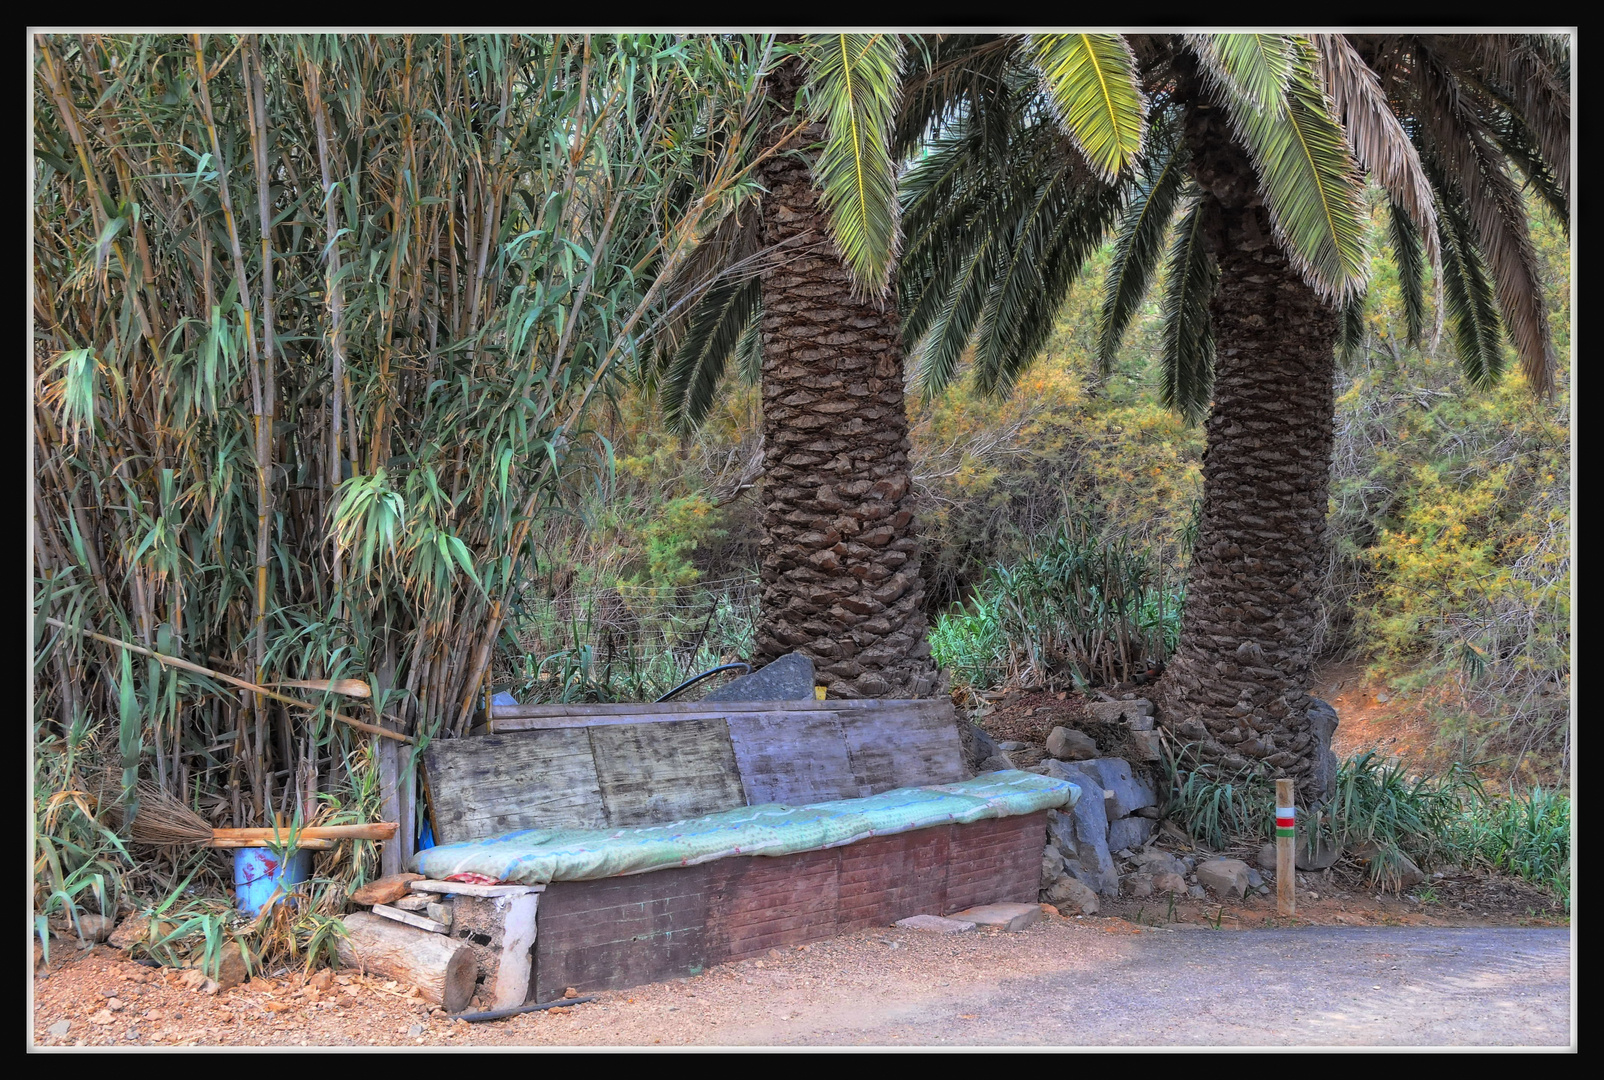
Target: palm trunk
(1237, 687)
(841, 578)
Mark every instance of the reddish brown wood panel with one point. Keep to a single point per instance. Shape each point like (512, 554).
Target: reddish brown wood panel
(996, 861)
(619, 932)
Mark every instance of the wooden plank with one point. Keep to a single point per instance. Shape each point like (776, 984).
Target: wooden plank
(507, 718)
(902, 746)
(492, 785)
(620, 932)
(652, 773)
(511, 987)
(422, 922)
(466, 888)
(792, 757)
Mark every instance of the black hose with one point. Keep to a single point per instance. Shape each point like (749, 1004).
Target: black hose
(694, 679)
(501, 1014)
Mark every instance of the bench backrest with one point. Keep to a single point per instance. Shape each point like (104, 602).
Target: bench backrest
(613, 765)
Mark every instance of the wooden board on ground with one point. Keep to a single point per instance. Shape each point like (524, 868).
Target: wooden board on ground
(494, 784)
(620, 932)
(792, 757)
(652, 773)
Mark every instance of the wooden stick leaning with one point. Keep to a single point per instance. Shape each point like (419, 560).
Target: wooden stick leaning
(173, 661)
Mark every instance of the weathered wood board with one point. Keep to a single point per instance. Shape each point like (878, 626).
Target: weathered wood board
(651, 773)
(498, 783)
(903, 747)
(620, 932)
(792, 757)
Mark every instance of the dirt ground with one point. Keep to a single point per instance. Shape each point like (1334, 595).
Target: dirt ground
(1061, 982)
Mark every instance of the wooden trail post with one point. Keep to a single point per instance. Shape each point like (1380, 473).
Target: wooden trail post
(1286, 856)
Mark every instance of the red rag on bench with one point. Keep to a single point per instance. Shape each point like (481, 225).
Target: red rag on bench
(475, 879)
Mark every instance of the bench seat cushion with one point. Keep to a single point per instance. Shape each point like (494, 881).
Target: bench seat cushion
(539, 856)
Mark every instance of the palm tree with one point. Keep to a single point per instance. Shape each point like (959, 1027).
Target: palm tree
(840, 566)
(1257, 140)
(1265, 271)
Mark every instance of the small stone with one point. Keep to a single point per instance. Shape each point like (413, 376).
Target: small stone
(1072, 897)
(414, 1031)
(1267, 856)
(1012, 744)
(95, 927)
(570, 992)
(1264, 890)
(1009, 917)
(192, 979)
(322, 980)
(1139, 885)
(1145, 746)
(102, 1018)
(1052, 865)
(1195, 892)
(1255, 879)
(131, 931)
(415, 902)
(440, 912)
(1169, 883)
(935, 923)
(60, 1028)
(115, 1004)
(1067, 744)
(1130, 832)
(996, 763)
(1227, 877)
(231, 968)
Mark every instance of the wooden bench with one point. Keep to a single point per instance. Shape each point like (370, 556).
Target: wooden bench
(598, 766)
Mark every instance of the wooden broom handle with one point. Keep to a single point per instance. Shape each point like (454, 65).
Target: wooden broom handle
(381, 830)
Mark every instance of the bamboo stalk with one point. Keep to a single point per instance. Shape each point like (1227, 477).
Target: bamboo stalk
(173, 661)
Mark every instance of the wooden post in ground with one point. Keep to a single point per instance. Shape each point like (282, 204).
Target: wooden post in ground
(1286, 856)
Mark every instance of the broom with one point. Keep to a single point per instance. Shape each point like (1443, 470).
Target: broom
(165, 820)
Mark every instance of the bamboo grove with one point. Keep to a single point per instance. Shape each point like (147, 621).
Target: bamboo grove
(317, 321)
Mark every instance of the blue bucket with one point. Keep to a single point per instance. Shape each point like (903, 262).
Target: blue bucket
(259, 873)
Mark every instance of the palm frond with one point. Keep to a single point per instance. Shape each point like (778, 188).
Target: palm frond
(1468, 297)
(1091, 79)
(943, 345)
(1457, 136)
(1411, 270)
(1375, 134)
(716, 328)
(1187, 369)
(956, 78)
(1350, 329)
(854, 82)
(1310, 182)
(1535, 73)
(1516, 141)
(1137, 247)
(1254, 67)
(1027, 307)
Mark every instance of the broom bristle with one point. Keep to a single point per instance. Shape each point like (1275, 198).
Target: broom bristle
(160, 819)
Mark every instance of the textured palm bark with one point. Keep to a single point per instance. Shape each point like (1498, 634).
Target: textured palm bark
(1237, 687)
(841, 576)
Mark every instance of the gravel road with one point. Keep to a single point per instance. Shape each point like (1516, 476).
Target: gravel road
(1060, 983)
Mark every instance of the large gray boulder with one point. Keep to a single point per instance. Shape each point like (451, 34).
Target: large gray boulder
(1130, 793)
(787, 679)
(1081, 833)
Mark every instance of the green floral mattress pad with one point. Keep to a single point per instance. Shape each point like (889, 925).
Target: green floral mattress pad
(538, 856)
